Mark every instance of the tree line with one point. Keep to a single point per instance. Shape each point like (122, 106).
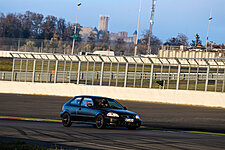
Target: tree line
(34, 25)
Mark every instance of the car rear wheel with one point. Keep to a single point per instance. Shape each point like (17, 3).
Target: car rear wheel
(100, 122)
(66, 120)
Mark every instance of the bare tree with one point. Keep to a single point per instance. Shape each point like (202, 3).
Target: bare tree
(181, 39)
(155, 43)
(119, 46)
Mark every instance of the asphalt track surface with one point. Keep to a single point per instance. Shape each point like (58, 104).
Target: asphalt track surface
(176, 123)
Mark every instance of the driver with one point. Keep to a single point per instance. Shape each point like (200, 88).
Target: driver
(104, 104)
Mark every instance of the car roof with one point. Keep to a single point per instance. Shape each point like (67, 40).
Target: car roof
(92, 96)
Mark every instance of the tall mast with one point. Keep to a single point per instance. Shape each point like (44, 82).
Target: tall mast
(151, 24)
(207, 38)
(136, 41)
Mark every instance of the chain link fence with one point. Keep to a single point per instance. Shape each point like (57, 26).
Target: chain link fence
(138, 72)
(35, 45)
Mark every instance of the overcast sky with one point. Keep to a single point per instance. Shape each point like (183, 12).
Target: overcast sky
(171, 16)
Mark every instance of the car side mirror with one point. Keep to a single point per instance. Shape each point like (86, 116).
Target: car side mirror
(125, 108)
(89, 105)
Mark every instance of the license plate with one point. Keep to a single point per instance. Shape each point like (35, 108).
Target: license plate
(129, 120)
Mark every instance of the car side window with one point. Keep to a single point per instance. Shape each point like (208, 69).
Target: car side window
(76, 101)
(86, 101)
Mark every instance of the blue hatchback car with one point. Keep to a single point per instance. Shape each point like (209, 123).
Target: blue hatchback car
(100, 111)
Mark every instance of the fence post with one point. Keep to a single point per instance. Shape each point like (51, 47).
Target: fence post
(142, 74)
(102, 73)
(21, 63)
(78, 72)
(56, 70)
(207, 79)
(26, 70)
(110, 74)
(178, 77)
(71, 65)
(13, 70)
(151, 78)
(126, 73)
(34, 70)
(93, 74)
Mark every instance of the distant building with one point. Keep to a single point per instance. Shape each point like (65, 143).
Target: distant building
(113, 36)
(130, 40)
(104, 53)
(124, 36)
(103, 27)
(134, 36)
(85, 33)
(103, 23)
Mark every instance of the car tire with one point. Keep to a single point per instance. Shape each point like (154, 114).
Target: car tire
(132, 128)
(66, 120)
(100, 122)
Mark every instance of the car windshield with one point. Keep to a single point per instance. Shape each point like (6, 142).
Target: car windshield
(107, 103)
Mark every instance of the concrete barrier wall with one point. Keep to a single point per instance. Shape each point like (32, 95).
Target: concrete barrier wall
(212, 99)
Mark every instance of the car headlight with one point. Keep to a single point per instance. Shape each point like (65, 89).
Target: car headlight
(137, 117)
(111, 114)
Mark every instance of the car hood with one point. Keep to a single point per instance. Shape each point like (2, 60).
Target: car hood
(119, 111)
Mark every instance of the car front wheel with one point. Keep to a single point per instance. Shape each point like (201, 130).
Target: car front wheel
(100, 122)
(66, 120)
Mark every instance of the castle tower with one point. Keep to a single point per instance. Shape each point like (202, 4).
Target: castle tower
(103, 23)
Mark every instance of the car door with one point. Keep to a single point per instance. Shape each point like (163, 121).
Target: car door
(86, 113)
(74, 107)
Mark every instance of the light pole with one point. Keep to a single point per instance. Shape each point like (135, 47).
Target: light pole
(210, 18)
(75, 29)
(151, 24)
(136, 42)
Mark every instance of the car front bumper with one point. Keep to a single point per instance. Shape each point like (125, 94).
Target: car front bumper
(113, 121)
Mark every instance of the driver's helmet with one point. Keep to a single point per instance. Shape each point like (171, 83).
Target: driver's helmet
(101, 104)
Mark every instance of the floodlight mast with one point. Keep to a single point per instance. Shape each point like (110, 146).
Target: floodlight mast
(210, 19)
(136, 41)
(149, 51)
(75, 30)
